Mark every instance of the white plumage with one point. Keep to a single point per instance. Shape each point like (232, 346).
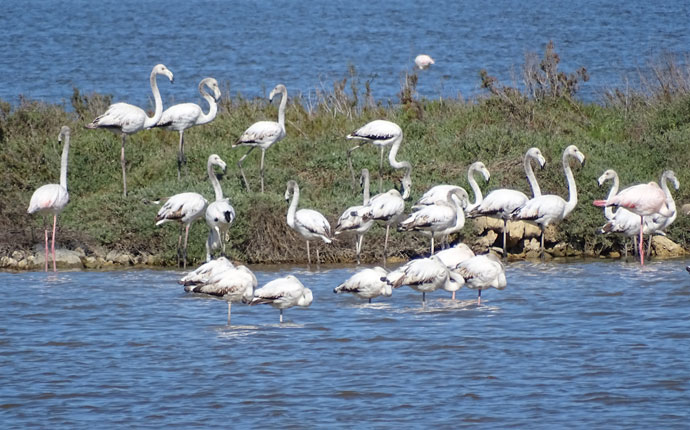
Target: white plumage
(186, 115)
(424, 275)
(283, 293)
(203, 273)
(263, 134)
(51, 199)
(657, 223)
(366, 284)
(481, 272)
(423, 61)
(387, 208)
(186, 208)
(125, 119)
(352, 219)
(549, 209)
(452, 257)
(440, 192)
(310, 224)
(219, 216)
(502, 202)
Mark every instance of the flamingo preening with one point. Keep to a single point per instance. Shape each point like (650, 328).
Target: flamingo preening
(352, 220)
(52, 198)
(439, 192)
(424, 275)
(283, 293)
(481, 272)
(502, 202)
(310, 224)
(423, 61)
(186, 115)
(186, 208)
(219, 217)
(366, 284)
(263, 134)
(550, 209)
(126, 119)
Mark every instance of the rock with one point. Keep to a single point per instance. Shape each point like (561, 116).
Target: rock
(64, 259)
(665, 247)
(118, 257)
(8, 262)
(614, 254)
(18, 255)
(91, 262)
(487, 240)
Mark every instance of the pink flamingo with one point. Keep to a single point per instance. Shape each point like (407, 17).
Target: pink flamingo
(643, 200)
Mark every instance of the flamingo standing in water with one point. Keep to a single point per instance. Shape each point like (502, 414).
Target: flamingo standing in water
(52, 198)
(310, 224)
(548, 209)
(481, 272)
(352, 220)
(126, 119)
(283, 293)
(424, 275)
(366, 284)
(621, 221)
(502, 202)
(186, 115)
(263, 134)
(186, 208)
(643, 200)
(423, 61)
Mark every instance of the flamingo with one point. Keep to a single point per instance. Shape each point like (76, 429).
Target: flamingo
(658, 223)
(439, 218)
(219, 217)
(451, 257)
(548, 209)
(382, 133)
(621, 221)
(423, 61)
(439, 192)
(206, 271)
(481, 272)
(52, 198)
(352, 220)
(366, 284)
(502, 202)
(126, 119)
(186, 208)
(263, 134)
(186, 115)
(310, 224)
(235, 284)
(388, 208)
(283, 293)
(424, 275)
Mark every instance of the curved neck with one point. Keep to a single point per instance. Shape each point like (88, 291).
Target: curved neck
(478, 198)
(394, 152)
(214, 181)
(212, 106)
(536, 191)
(608, 210)
(365, 190)
(669, 198)
(158, 103)
(63, 162)
(281, 112)
(293, 207)
(572, 188)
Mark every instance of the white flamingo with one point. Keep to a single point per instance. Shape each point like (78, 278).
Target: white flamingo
(186, 115)
(550, 209)
(52, 198)
(481, 272)
(352, 219)
(366, 284)
(387, 208)
(424, 275)
(203, 273)
(382, 133)
(126, 119)
(656, 224)
(310, 224)
(438, 218)
(283, 293)
(263, 134)
(423, 61)
(502, 202)
(451, 257)
(219, 217)
(439, 192)
(235, 284)
(186, 208)
(621, 221)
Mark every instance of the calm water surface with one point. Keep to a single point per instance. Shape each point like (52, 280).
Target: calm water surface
(48, 47)
(576, 345)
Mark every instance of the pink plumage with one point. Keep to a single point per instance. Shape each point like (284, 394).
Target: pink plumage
(642, 199)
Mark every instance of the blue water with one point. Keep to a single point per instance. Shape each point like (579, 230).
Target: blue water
(249, 46)
(576, 345)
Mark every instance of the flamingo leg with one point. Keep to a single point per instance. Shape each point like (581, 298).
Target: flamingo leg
(452, 297)
(541, 250)
(349, 163)
(179, 246)
(229, 310)
(184, 253)
(383, 148)
(641, 245)
(423, 299)
(505, 227)
(281, 316)
(263, 155)
(45, 228)
(308, 255)
(181, 159)
(52, 245)
(208, 247)
(369, 300)
(123, 163)
(239, 164)
(634, 246)
(318, 258)
(358, 246)
(432, 243)
(385, 245)
(479, 298)
(649, 245)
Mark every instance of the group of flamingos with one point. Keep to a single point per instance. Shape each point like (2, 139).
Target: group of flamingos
(440, 212)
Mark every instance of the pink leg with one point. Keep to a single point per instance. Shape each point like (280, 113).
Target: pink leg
(46, 230)
(52, 246)
(453, 296)
(186, 233)
(641, 244)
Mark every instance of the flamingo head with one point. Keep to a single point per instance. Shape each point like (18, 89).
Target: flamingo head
(481, 168)
(215, 160)
(279, 89)
(64, 133)
(291, 188)
(364, 177)
(670, 175)
(610, 174)
(572, 151)
(535, 153)
(212, 85)
(160, 69)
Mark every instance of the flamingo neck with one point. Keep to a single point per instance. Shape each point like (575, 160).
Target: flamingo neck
(293, 206)
(212, 106)
(406, 180)
(531, 178)
(478, 198)
(281, 109)
(572, 188)
(394, 152)
(158, 103)
(365, 192)
(670, 203)
(608, 210)
(63, 161)
(459, 212)
(214, 181)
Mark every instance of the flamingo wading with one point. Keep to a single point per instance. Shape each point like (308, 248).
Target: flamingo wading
(283, 293)
(126, 119)
(310, 224)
